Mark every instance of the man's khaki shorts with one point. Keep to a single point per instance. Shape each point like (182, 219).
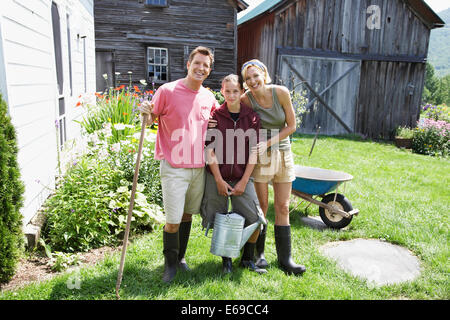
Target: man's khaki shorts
(276, 166)
(182, 190)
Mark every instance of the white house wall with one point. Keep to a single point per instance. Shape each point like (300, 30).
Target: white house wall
(31, 86)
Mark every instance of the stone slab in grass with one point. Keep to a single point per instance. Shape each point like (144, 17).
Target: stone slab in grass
(380, 263)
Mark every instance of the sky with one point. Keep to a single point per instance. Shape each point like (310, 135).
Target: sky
(436, 5)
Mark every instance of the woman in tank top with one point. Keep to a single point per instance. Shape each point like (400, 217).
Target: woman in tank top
(275, 161)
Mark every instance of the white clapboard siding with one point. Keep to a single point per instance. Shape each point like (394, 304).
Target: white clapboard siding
(26, 43)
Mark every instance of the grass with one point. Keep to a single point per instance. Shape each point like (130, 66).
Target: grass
(403, 198)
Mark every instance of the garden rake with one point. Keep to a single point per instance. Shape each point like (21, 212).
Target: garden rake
(130, 208)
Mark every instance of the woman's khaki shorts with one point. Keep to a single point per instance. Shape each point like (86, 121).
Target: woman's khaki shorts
(276, 166)
(182, 190)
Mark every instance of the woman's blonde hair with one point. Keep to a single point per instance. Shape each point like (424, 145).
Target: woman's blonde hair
(258, 64)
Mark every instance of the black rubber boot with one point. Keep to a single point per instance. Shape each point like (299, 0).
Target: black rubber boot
(227, 265)
(170, 251)
(283, 246)
(247, 259)
(260, 244)
(184, 232)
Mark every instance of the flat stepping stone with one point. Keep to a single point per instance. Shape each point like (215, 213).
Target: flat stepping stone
(380, 263)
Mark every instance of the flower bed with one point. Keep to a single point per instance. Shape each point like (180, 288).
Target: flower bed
(431, 136)
(90, 205)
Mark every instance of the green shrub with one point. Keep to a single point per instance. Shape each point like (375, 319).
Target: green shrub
(78, 216)
(11, 198)
(123, 155)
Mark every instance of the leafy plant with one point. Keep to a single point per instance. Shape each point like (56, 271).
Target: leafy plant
(11, 197)
(118, 109)
(218, 95)
(78, 216)
(404, 132)
(59, 261)
(90, 207)
(432, 138)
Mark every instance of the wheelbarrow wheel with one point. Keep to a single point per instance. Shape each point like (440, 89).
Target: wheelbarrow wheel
(335, 220)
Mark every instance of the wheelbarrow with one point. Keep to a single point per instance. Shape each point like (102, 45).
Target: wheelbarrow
(335, 209)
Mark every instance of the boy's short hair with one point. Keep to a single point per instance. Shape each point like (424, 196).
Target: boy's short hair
(231, 78)
(204, 51)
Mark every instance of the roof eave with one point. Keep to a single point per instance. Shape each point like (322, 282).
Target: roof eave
(424, 12)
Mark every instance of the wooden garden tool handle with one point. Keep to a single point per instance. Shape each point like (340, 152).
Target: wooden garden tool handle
(130, 208)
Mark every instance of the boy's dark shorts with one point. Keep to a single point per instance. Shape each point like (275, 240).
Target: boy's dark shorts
(247, 204)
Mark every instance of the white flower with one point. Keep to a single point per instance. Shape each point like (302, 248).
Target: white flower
(94, 138)
(150, 137)
(102, 154)
(143, 82)
(122, 189)
(115, 147)
(119, 126)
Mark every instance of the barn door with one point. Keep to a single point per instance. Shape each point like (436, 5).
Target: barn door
(331, 87)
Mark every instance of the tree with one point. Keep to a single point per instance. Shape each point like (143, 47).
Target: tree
(11, 198)
(436, 90)
(431, 84)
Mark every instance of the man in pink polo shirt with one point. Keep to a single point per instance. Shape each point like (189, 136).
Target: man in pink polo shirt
(183, 108)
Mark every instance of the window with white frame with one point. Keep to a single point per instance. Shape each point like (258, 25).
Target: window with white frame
(157, 64)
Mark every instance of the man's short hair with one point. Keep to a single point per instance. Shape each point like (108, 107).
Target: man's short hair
(204, 51)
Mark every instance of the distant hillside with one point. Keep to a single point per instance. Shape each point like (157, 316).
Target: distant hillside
(439, 50)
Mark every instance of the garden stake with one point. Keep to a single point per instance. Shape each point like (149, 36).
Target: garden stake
(130, 208)
(314, 142)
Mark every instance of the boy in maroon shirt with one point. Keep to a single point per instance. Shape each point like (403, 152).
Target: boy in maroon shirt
(230, 164)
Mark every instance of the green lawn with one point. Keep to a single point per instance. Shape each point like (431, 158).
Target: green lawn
(403, 198)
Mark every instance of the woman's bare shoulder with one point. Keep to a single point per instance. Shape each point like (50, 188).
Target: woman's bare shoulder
(244, 98)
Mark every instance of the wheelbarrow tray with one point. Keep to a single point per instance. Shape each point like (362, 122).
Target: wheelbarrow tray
(317, 181)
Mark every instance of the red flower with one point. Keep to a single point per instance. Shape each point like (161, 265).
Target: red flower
(136, 89)
(78, 104)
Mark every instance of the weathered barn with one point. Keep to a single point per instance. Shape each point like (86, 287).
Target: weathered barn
(153, 38)
(362, 63)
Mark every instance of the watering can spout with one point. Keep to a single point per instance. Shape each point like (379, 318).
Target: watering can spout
(249, 230)
(229, 234)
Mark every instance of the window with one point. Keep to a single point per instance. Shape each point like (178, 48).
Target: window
(157, 64)
(156, 3)
(61, 120)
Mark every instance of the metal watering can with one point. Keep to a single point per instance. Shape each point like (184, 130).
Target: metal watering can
(229, 234)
